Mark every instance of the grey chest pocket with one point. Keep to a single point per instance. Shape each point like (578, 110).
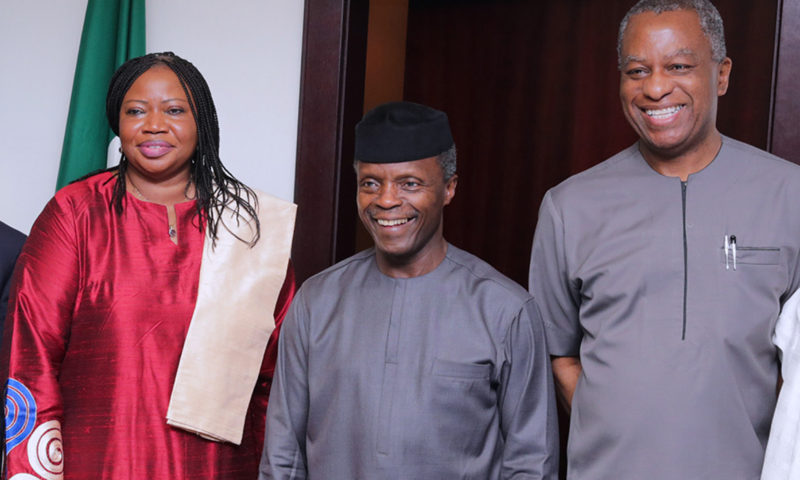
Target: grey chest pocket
(752, 256)
(466, 371)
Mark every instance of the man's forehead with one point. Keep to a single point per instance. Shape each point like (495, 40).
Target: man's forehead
(414, 167)
(678, 53)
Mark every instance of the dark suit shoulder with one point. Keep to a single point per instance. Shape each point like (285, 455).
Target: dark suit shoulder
(11, 241)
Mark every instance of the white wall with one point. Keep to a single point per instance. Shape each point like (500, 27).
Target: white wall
(39, 43)
(248, 50)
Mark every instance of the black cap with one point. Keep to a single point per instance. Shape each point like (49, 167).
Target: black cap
(402, 132)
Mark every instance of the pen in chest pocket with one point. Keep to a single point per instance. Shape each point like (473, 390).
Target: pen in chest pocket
(729, 244)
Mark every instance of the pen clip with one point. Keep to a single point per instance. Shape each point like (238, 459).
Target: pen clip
(726, 245)
(733, 250)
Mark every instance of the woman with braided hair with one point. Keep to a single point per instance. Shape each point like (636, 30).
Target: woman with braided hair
(141, 338)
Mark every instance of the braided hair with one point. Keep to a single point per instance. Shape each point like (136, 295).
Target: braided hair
(215, 187)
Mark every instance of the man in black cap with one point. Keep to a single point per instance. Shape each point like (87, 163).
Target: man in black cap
(413, 359)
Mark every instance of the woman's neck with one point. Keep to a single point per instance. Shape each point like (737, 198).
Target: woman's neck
(167, 192)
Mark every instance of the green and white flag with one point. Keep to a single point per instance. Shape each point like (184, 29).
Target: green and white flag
(113, 32)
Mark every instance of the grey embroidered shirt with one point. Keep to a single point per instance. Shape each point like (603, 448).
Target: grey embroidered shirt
(441, 376)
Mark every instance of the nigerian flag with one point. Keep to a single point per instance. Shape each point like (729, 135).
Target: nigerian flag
(113, 32)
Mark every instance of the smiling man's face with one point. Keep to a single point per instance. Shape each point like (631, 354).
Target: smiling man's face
(401, 204)
(669, 82)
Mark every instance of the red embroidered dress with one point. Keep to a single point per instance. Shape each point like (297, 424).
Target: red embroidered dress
(99, 311)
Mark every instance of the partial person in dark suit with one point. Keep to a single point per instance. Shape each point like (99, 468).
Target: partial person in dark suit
(11, 242)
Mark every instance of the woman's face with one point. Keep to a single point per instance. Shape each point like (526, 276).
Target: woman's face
(156, 126)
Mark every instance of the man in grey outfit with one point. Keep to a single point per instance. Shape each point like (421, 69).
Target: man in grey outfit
(661, 271)
(414, 359)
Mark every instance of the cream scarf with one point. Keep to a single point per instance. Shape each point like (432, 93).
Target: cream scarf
(232, 322)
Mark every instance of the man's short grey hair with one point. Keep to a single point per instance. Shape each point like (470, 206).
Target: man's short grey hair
(710, 22)
(446, 159)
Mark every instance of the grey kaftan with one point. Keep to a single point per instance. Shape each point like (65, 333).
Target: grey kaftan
(441, 376)
(630, 272)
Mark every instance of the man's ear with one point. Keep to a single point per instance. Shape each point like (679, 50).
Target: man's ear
(724, 76)
(450, 189)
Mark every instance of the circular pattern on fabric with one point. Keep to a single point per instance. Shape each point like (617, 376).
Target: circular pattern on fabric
(24, 476)
(46, 451)
(20, 413)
